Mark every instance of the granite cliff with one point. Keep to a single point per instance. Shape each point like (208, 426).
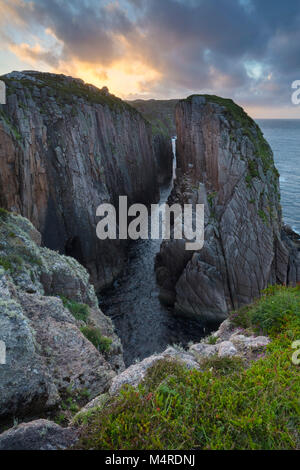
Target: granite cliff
(67, 147)
(225, 163)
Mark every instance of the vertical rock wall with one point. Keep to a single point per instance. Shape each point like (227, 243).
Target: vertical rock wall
(225, 163)
(65, 148)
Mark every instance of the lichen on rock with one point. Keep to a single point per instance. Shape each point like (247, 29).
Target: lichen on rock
(47, 355)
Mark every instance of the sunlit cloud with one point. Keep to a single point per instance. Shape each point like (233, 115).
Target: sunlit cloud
(154, 49)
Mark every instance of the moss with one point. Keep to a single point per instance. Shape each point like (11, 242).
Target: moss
(224, 407)
(253, 169)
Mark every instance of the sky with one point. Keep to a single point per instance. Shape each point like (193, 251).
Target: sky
(247, 50)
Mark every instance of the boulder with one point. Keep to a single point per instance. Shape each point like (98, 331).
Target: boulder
(38, 435)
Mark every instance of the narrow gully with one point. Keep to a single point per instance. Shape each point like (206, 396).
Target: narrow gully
(144, 325)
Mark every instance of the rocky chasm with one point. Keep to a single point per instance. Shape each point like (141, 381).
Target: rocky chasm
(65, 147)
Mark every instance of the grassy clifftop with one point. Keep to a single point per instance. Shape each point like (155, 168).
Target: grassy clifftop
(248, 125)
(226, 406)
(66, 89)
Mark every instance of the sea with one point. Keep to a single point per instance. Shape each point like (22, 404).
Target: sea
(284, 137)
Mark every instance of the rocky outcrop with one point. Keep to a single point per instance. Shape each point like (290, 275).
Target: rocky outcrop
(161, 115)
(38, 435)
(227, 342)
(225, 163)
(136, 373)
(67, 147)
(47, 309)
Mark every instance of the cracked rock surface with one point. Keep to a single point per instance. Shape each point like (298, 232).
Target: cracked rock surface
(225, 163)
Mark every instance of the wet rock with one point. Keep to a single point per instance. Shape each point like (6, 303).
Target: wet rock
(38, 435)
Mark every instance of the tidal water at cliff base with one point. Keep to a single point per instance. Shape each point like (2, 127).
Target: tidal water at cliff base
(144, 325)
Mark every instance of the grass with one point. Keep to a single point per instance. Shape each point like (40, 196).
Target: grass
(102, 343)
(65, 91)
(269, 315)
(211, 339)
(79, 311)
(224, 407)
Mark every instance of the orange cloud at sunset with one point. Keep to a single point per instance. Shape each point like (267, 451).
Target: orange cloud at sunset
(161, 49)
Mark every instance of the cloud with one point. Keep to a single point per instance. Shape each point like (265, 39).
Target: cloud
(246, 49)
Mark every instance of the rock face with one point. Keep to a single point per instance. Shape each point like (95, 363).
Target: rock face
(225, 163)
(161, 115)
(67, 147)
(47, 354)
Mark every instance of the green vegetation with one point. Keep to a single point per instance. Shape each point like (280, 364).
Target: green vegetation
(11, 262)
(71, 404)
(3, 214)
(222, 365)
(211, 198)
(211, 339)
(79, 311)
(263, 216)
(253, 169)
(278, 307)
(224, 407)
(14, 131)
(102, 343)
(65, 90)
